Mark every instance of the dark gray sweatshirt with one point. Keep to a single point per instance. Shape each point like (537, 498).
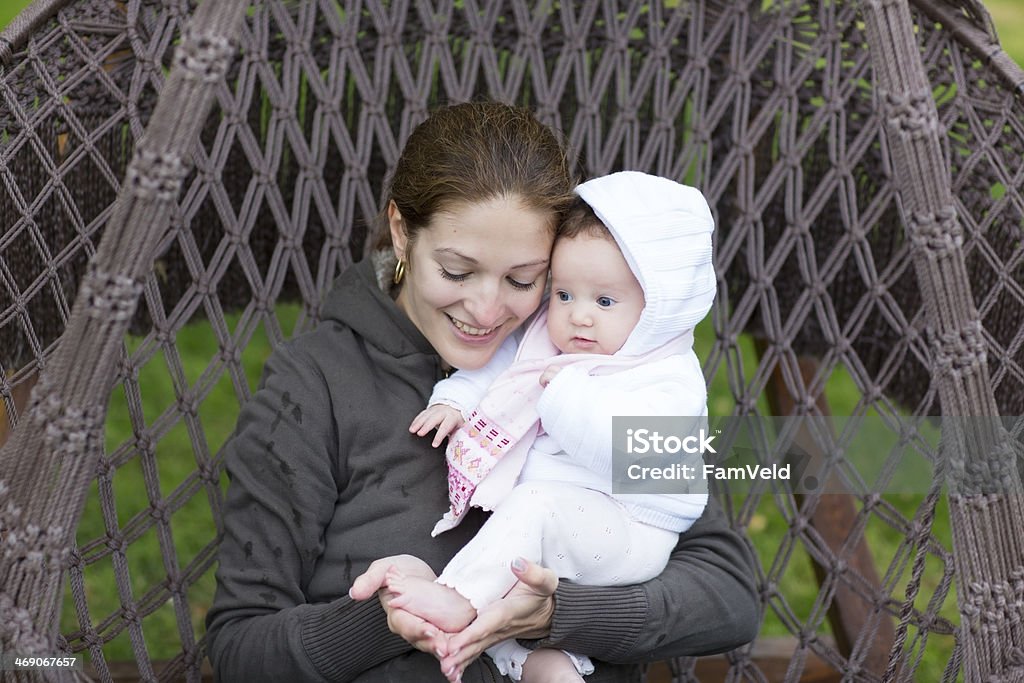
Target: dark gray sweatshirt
(325, 478)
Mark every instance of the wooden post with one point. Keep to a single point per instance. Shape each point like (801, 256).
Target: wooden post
(19, 396)
(771, 656)
(833, 518)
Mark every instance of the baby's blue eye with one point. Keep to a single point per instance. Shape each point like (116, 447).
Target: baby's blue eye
(564, 297)
(605, 301)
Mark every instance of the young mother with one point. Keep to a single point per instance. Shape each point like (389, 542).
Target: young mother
(326, 478)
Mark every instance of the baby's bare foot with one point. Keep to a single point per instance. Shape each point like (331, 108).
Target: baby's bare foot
(440, 605)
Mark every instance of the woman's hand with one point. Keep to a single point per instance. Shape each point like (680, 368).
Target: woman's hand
(524, 613)
(421, 634)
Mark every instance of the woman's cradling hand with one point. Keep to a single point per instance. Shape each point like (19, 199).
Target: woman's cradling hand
(525, 612)
(421, 634)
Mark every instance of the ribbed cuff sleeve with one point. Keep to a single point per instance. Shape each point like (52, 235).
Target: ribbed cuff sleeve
(456, 394)
(329, 637)
(602, 621)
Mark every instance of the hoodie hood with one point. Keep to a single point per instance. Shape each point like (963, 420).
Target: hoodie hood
(664, 231)
(359, 301)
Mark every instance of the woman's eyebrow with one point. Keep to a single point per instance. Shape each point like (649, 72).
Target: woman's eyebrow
(470, 259)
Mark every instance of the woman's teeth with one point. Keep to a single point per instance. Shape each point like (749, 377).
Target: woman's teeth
(474, 331)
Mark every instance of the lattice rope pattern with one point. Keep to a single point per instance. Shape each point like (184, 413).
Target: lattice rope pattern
(771, 113)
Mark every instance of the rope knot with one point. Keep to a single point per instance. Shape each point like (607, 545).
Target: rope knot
(17, 632)
(156, 175)
(912, 114)
(203, 56)
(937, 232)
(960, 351)
(110, 296)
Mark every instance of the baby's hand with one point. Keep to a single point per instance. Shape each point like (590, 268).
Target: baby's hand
(445, 418)
(549, 374)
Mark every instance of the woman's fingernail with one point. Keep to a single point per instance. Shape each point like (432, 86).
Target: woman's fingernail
(519, 564)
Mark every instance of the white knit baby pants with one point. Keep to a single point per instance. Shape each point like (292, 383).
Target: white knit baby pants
(582, 535)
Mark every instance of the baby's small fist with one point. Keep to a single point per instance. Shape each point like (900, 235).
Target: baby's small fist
(549, 374)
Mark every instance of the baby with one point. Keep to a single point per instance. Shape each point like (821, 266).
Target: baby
(631, 276)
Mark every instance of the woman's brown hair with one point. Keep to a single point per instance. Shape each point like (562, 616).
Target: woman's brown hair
(473, 152)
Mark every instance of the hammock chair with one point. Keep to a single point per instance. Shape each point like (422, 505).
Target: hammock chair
(174, 170)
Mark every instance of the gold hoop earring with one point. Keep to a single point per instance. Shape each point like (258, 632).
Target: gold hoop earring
(399, 271)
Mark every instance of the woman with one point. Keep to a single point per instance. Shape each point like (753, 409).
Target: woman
(326, 478)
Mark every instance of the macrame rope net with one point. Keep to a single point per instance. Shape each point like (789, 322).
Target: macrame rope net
(174, 176)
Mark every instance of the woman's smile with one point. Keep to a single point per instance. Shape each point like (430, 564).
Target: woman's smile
(472, 334)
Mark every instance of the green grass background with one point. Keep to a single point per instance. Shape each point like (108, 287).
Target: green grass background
(190, 524)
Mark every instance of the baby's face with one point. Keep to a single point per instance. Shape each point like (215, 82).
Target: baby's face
(595, 299)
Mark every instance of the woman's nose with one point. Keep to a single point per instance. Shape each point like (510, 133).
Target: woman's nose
(486, 308)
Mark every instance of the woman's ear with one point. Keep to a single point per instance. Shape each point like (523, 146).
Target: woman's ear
(399, 236)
